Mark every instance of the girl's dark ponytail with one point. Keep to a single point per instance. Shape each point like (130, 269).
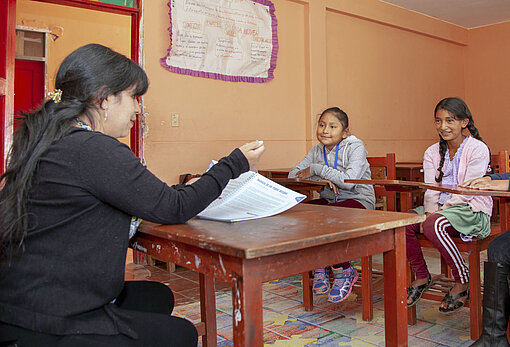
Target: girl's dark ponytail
(473, 130)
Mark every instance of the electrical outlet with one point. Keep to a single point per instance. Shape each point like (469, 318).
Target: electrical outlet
(175, 120)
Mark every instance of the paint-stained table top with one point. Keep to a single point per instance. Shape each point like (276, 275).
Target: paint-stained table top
(300, 227)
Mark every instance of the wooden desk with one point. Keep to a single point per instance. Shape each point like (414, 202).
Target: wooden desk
(409, 171)
(405, 186)
(275, 173)
(306, 237)
(305, 187)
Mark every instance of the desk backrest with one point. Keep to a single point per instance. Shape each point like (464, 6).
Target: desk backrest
(384, 168)
(499, 162)
(503, 162)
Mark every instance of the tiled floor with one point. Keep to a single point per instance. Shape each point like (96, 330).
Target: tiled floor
(286, 323)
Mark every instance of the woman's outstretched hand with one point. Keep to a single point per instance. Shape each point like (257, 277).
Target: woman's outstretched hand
(253, 151)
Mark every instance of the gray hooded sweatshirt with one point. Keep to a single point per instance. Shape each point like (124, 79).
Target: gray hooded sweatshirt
(352, 164)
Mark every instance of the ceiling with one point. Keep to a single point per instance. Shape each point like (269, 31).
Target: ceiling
(465, 13)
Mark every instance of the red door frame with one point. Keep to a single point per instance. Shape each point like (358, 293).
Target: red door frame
(7, 44)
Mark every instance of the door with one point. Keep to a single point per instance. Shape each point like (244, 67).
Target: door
(28, 86)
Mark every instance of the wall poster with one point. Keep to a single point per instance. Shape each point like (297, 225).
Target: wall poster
(231, 40)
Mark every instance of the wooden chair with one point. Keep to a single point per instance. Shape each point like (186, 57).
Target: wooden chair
(500, 162)
(443, 282)
(381, 168)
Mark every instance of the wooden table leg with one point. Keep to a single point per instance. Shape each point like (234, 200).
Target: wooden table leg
(307, 290)
(411, 311)
(247, 311)
(475, 306)
(395, 308)
(208, 310)
(367, 294)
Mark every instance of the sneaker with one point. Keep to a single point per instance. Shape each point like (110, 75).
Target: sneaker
(342, 285)
(321, 281)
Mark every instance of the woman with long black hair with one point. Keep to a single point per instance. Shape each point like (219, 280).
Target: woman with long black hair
(72, 195)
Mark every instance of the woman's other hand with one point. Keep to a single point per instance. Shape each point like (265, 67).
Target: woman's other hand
(253, 151)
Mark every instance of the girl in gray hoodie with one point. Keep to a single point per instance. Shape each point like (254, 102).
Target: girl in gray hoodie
(337, 157)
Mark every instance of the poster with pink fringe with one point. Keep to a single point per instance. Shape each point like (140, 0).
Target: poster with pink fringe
(231, 40)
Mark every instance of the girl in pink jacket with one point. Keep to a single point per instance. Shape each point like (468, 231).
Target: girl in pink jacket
(456, 158)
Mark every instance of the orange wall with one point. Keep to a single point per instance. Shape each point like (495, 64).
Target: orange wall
(389, 80)
(488, 83)
(216, 116)
(385, 66)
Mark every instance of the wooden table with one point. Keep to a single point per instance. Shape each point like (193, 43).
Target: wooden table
(275, 173)
(306, 237)
(303, 186)
(406, 186)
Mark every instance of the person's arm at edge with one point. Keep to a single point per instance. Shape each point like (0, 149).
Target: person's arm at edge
(114, 175)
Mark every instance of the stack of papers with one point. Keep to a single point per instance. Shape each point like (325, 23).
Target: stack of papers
(251, 196)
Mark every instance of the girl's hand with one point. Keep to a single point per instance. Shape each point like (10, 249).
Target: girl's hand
(475, 182)
(253, 151)
(492, 185)
(303, 174)
(333, 187)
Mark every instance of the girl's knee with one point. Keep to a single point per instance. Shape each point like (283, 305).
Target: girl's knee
(429, 226)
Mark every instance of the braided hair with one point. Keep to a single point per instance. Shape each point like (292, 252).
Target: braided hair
(85, 78)
(460, 111)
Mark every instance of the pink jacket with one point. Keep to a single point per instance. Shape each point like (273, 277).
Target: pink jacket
(474, 162)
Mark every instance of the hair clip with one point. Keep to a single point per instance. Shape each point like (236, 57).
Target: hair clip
(55, 95)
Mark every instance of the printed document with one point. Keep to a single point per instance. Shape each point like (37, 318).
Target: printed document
(251, 196)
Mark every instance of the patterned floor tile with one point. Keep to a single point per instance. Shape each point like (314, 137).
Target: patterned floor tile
(299, 331)
(280, 303)
(316, 316)
(427, 310)
(283, 288)
(269, 336)
(335, 339)
(414, 341)
(189, 311)
(275, 318)
(352, 327)
(446, 335)
(224, 302)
